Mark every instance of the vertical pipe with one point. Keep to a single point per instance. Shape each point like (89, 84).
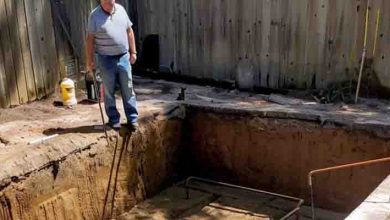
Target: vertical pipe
(364, 51)
(334, 168)
(378, 14)
(313, 215)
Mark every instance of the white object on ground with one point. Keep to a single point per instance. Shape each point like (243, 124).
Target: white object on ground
(41, 140)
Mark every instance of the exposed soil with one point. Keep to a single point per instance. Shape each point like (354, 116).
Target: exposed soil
(265, 141)
(232, 204)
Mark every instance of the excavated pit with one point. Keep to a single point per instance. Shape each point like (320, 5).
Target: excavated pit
(245, 141)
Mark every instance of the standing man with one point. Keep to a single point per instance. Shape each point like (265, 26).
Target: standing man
(111, 38)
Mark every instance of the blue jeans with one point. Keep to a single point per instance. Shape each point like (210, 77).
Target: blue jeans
(117, 70)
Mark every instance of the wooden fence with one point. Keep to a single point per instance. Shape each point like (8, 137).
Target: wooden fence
(28, 60)
(40, 42)
(283, 43)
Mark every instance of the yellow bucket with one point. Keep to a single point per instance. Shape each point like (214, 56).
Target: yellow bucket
(68, 92)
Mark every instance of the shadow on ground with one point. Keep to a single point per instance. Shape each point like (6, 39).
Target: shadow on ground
(89, 129)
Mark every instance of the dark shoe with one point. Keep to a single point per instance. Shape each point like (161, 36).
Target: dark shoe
(131, 127)
(114, 126)
(134, 127)
(128, 129)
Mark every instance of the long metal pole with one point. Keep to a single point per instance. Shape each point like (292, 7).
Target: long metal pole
(110, 179)
(242, 187)
(296, 209)
(124, 146)
(364, 51)
(100, 105)
(378, 16)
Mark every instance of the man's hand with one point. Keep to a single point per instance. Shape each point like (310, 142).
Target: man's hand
(133, 49)
(133, 58)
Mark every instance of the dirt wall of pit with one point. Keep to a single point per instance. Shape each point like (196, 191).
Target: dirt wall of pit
(277, 155)
(67, 179)
(73, 186)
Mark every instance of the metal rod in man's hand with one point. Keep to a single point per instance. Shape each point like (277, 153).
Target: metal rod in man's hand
(100, 104)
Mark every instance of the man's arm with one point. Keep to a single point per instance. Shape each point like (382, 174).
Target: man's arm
(133, 49)
(90, 57)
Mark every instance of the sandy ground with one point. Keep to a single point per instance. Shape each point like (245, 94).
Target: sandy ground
(39, 119)
(24, 123)
(227, 203)
(20, 125)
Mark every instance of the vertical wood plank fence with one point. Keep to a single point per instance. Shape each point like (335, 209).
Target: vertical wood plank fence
(297, 44)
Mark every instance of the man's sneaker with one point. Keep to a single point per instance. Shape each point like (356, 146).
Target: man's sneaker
(114, 126)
